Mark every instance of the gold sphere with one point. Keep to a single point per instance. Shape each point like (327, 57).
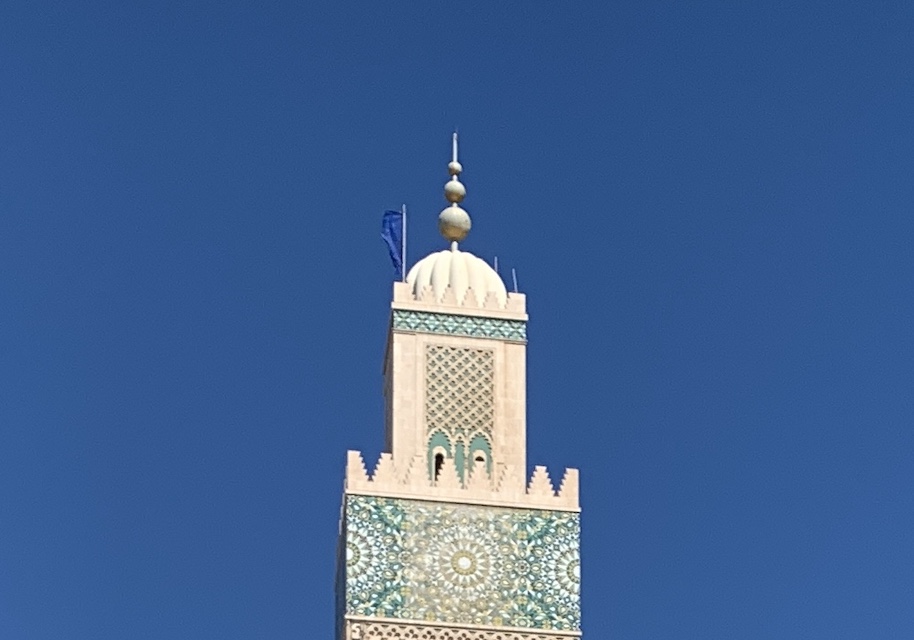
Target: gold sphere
(454, 223)
(454, 191)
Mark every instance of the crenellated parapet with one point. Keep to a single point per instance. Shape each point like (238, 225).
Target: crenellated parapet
(454, 298)
(411, 480)
(468, 298)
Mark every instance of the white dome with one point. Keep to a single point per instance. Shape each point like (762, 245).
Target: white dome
(461, 271)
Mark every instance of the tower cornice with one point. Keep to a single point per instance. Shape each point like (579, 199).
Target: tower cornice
(403, 298)
(410, 481)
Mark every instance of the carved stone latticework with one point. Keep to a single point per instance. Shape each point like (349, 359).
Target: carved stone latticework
(459, 390)
(364, 630)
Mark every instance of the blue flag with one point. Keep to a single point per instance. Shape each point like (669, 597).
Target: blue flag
(392, 234)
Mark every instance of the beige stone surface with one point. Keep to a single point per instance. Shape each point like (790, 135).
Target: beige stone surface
(403, 471)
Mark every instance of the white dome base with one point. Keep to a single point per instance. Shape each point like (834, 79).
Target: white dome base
(470, 279)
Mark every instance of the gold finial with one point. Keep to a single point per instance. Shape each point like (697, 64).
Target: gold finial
(453, 222)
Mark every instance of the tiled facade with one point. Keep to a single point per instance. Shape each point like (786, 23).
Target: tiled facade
(475, 565)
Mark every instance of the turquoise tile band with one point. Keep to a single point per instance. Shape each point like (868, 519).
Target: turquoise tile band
(457, 325)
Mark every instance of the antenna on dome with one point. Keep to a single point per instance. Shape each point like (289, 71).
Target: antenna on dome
(514, 277)
(496, 264)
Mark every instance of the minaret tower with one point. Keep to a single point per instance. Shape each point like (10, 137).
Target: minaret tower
(448, 539)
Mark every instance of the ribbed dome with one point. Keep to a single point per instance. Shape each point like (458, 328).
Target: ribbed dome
(461, 271)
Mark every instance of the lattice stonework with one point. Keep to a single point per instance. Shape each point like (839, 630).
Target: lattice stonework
(462, 564)
(459, 389)
(388, 631)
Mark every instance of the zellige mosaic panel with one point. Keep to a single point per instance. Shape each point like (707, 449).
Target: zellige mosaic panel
(468, 564)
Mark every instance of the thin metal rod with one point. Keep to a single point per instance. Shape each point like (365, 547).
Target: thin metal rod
(496, 264)
(403, 242)
(454, 148)
(514, 276)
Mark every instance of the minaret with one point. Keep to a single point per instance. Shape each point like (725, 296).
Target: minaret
(447, 538)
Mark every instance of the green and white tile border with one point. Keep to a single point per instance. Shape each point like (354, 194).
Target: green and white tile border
(459, 325)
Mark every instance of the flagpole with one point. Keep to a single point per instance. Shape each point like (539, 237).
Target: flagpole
(403, 242)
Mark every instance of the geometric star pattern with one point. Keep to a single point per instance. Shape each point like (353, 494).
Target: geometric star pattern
(457, 325)
(471, 564)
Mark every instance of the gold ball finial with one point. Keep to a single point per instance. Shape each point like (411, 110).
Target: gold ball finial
(454, 191)
(454, 223)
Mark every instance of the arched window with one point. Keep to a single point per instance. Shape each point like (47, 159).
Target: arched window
(480, 452)
(439, 462)
(439, 449)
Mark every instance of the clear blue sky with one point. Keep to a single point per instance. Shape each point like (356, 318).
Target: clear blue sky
(709, 205)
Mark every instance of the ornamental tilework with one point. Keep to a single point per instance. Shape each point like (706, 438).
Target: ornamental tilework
(467, 564)
(456, 325)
